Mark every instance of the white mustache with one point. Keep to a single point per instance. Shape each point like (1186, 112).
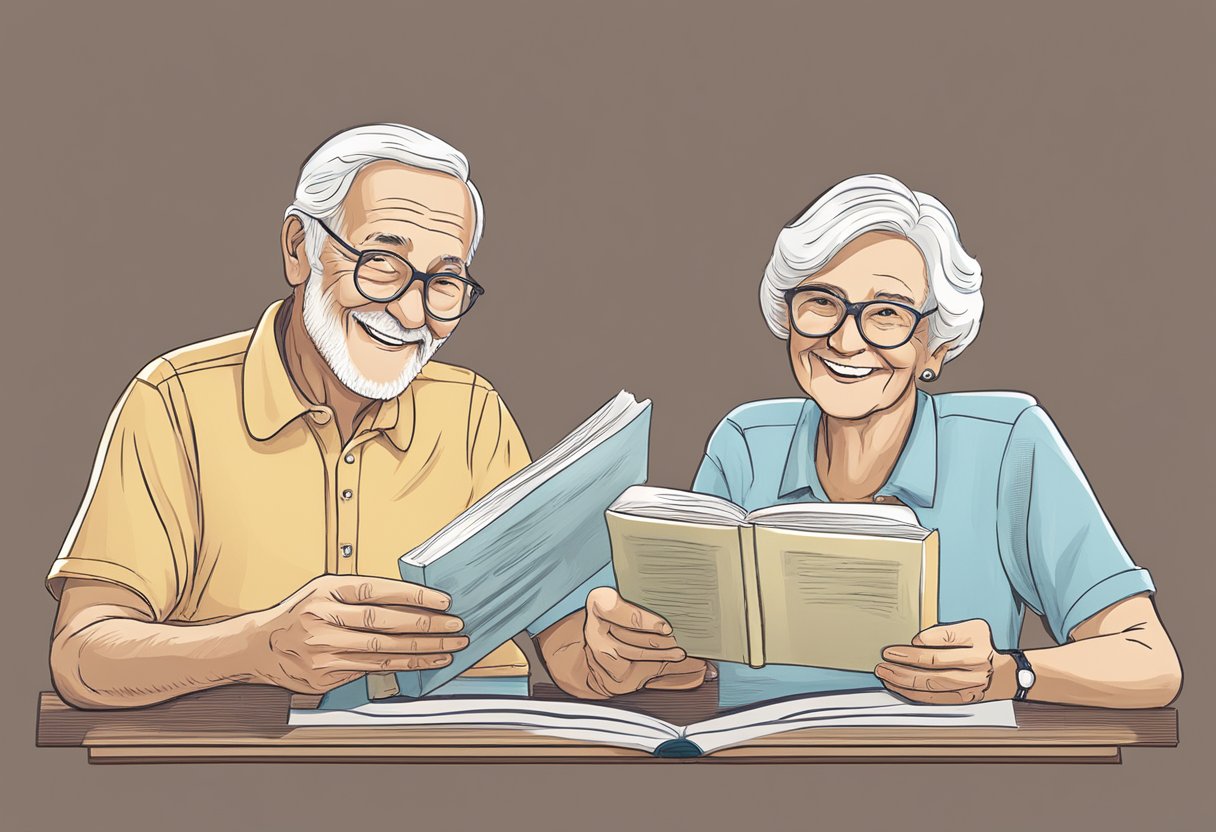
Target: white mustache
(386, 323)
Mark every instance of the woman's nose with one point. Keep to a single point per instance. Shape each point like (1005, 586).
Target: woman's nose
(847, 340)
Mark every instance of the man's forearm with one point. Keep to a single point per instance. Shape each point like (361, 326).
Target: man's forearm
(114, 662)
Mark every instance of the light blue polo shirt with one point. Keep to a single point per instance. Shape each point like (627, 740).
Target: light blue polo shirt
(1019, 525)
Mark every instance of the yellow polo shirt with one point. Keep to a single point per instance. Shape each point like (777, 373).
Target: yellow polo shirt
(219, 490)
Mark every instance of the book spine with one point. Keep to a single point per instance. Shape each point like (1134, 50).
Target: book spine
(410, 682)
(929, 581)
(412, 573)
(751, 596)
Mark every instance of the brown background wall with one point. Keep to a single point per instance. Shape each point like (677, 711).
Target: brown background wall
(637, 160)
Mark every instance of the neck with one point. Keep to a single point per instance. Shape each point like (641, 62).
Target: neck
(854, 457)
(311, 374)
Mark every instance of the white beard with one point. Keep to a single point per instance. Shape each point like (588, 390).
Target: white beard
(323, 322)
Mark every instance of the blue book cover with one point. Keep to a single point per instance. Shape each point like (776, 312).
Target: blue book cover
(527, 544)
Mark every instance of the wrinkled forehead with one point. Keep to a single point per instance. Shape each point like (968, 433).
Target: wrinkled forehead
(401, 207)
(876, 264)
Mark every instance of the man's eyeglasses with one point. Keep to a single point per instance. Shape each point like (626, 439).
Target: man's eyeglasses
(818, 313)
(383, 276)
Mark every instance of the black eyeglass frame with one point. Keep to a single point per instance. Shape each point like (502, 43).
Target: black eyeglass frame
(416, 274)
(853, 310)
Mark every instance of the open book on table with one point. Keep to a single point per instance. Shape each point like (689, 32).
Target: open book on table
(813, 584)
(604, 725)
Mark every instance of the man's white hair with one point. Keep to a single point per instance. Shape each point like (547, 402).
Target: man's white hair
(874, 202)
(327, 175)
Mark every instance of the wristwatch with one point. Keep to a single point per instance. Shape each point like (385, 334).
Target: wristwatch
(1025, 676)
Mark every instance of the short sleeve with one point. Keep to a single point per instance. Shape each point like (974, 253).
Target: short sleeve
(497, 450)
(726, 468)
(1058, 548)
(137, 524)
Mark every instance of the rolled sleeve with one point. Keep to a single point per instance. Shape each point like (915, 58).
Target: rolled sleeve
(1062, 556)
(137, 524)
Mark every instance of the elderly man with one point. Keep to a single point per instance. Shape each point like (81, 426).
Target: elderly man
(252, 493)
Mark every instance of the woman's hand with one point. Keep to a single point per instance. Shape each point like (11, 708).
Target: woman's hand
(948, 664)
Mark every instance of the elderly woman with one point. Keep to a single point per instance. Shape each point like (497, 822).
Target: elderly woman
(875, 293)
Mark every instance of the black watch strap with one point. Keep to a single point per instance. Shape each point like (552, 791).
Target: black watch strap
(1023, 663)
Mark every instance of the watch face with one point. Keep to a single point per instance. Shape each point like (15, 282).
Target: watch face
(1025, 678)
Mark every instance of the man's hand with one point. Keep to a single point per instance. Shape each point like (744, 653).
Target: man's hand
(337, 627)
(628, 648)
(949, 664)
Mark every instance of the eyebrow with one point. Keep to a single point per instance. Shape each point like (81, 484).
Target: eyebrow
(897, 279)
(453, 260)
(390, 239)
(844, 296)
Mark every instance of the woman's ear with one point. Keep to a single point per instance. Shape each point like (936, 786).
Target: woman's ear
(934, 363)
(295, 259)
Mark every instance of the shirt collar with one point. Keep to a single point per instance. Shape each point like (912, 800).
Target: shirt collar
(271, 400)
(914, 478)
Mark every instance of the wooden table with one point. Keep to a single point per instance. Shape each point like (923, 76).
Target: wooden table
(249, 724)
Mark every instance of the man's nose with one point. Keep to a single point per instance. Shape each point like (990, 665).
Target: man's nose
(847, 340)
(410, 308)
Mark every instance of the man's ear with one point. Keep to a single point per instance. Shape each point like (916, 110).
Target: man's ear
(295, 259)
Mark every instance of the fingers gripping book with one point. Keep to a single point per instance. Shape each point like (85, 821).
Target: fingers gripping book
(814, 584)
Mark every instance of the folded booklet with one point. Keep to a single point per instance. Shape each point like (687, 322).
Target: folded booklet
(526, 545)
(813, 584)
(605, 725)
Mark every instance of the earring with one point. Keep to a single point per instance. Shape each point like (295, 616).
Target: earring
(928, 375)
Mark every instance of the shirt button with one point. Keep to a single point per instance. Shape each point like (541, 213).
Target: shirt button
(320, 417)
(347, 494)
(350, 459)
(880, 499)
(347, 550)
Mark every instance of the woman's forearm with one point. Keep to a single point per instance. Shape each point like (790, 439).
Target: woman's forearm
(1117, 670)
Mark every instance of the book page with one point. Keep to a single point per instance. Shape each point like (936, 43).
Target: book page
(836, 600)
(671, 504)
(606, 422)
(843, 518)
(565, 720)
(843, 710)
(691, 574)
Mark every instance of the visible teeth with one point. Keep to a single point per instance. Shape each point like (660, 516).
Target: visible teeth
(388, 339)
(852, 372)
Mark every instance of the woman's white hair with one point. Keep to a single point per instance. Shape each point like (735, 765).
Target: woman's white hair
(326, 176)
(874, 202)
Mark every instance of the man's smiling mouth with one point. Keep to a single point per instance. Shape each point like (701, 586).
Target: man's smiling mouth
(845, 371)
(382, 337)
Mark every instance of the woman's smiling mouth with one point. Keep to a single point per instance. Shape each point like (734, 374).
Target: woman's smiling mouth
(844, 371)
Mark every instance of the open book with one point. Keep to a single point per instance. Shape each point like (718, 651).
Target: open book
(527, 544)
(814, 584)
(600, 724)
